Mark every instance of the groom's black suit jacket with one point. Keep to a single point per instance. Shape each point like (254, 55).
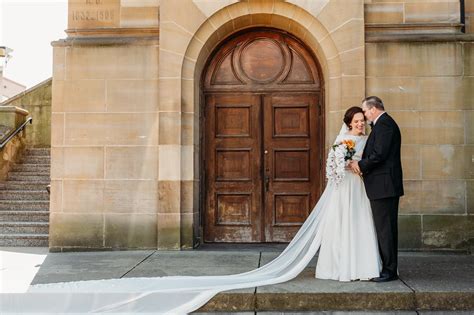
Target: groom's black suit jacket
(380, 164)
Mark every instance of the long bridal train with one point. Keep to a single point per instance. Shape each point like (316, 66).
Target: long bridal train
(341, 224)
(177, 294)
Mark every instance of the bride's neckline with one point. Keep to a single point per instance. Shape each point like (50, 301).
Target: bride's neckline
(350, 134)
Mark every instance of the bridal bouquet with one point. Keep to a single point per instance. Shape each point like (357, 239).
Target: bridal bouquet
(338, 158)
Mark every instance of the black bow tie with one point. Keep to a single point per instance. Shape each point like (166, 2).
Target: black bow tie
(371, 124)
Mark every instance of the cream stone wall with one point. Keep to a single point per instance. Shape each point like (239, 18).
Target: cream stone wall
(412, 11)
(427, 88)
(104, 150)
(126, 103)
(413, 16)
(469, 15)
(105, 127)
(37, 101)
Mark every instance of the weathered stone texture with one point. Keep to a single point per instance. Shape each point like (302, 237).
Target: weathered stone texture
(427, 87)
(169, 231)
(452, 232)
(384, 12)
(135, 162)
(406, 11)
(469, 59)
(81, 231)
(414, 59)
(105, 149)
(37, 101)
(131, 196)
(409, 232)
(127, 231)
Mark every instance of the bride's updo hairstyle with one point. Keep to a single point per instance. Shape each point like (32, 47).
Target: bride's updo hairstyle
(350, 114)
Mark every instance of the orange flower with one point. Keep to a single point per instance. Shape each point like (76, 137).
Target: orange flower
(349, 143)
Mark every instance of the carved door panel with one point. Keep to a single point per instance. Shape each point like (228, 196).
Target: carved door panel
(233, 169)
(291, 163)
(262, 94)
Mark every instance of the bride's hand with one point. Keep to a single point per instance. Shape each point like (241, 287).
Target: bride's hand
(354, 165)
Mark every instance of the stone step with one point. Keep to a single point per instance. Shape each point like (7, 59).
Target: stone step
(24, 195)
(35, 159)
(25, 176)
(24, 240)
(38, 152)
(11, 227)
(24, 216)
(23, 185)
(24, 201)
(30, 172)
(28, 205)
(360, 303)
(32, 167)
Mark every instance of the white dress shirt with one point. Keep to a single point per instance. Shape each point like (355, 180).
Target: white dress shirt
(375, 121)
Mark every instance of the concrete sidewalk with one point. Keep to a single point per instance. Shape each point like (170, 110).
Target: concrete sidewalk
(428, 281)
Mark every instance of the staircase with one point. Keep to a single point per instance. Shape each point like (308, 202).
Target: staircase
(24, 201)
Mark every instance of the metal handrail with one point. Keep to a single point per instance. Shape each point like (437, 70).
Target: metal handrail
(4, 142)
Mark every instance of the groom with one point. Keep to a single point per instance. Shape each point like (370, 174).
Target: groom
(382, 172)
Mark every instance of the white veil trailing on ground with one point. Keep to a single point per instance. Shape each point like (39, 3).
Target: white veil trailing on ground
(175, 294)
(170, 295)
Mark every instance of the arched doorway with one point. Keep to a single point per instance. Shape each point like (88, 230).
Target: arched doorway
(263, 138)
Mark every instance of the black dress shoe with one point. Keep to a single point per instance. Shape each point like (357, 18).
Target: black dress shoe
(385, 278)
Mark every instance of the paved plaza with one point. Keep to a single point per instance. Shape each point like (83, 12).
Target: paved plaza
(428, 281)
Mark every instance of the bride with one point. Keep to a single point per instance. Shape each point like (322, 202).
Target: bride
(349, 247)
(340, 226)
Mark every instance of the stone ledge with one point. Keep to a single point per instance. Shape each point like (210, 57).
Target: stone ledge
(107, 41)
(444, 300)
(231, 302)
(114, 32)
(290, 301)
(334, 301)
(14, 109)
(413, 28)
(398, 38)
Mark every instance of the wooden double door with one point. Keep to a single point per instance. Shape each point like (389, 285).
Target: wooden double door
(263, 137)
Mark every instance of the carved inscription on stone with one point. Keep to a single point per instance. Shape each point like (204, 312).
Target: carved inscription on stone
(94, 13)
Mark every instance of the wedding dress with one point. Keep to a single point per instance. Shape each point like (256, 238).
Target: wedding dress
(349, 248)
(341, 221)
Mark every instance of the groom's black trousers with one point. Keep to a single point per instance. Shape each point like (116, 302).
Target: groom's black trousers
(385, 213)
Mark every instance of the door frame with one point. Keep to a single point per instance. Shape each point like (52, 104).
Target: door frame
(262, 92)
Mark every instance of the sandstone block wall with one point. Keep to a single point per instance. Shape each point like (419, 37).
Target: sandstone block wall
(427, 88)
(37, 101)
(126, 103)
(412, 11)
(104, 149)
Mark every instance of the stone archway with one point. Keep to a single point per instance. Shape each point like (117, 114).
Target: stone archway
(188, 39)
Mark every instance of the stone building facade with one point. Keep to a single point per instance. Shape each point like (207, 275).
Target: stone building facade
(133, 81)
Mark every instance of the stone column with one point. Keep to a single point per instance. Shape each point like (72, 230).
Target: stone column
(104, 172)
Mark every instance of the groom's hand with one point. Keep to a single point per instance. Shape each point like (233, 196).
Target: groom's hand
(354, 165)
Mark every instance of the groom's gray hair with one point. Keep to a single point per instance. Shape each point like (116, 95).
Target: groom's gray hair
(374, 101)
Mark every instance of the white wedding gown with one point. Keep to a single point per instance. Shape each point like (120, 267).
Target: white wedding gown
(341, 221)
(349, 248)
